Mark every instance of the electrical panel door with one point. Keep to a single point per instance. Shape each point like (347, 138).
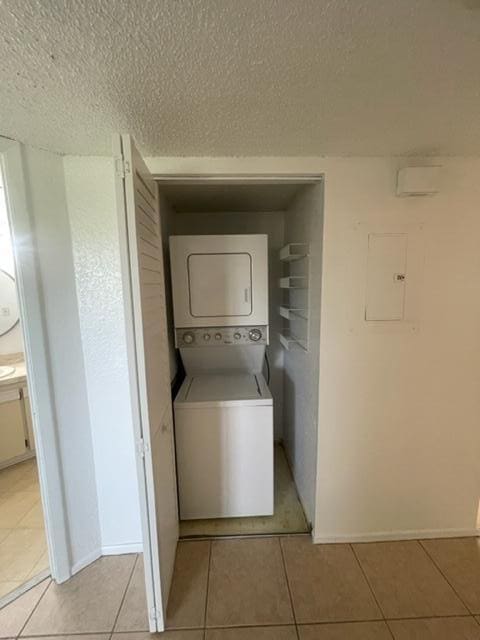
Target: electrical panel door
(386, 276)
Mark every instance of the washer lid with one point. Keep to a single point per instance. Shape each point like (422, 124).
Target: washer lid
(224, 390)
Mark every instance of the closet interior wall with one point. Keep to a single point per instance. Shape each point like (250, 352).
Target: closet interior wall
(304, 224)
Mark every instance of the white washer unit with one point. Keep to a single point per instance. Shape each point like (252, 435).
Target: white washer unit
(224, 409)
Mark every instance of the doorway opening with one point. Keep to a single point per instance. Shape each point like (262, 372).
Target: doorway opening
(289, 211)
(23, 547)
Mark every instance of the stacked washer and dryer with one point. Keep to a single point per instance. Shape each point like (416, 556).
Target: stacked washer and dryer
(224, 409)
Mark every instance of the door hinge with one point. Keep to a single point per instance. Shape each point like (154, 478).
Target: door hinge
(142, 448)
(122, 167)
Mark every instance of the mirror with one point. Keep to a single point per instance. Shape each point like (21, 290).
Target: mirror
(8, 303)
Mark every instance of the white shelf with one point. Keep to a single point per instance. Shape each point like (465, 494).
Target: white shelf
(293, 251)
(287, 312)
(290, 342)
(294, 282)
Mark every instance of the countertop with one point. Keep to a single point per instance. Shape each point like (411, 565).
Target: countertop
(18, 377)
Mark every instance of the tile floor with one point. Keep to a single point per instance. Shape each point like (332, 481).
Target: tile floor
(288, 517)
(23, 550)
(270, 588)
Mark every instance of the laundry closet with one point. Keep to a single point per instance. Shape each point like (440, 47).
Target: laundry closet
(243, 272)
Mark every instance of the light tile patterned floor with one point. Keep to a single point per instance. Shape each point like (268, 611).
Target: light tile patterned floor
(270, 588)
(23, 550)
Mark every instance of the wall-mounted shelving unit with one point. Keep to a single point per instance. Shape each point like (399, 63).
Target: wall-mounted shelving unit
(295, 306)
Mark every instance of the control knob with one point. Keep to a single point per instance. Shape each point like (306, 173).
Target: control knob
(206, 337)
(237, 335)
(188, 337)
(218, 336)
(255, 335)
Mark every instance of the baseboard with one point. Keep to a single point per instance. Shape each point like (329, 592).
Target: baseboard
(379, 536)
(119, 549)
(86, 560)
(21, 458)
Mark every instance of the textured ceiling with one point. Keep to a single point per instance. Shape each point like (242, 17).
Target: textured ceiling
(243, 77)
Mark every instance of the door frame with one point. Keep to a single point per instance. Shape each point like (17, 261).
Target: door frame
(235, 178)
(37, 359)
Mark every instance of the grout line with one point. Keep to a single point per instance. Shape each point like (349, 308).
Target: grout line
(370, 587)
(390, 630)
(124, 596)
(284, 564)
(445, 577)
(35, 607)
(208, 586)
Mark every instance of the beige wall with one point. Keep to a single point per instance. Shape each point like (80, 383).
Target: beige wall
(399, 406)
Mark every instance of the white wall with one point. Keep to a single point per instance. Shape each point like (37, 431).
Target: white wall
(272, 224)
(45, 186)
(11, 342)
(304, 224)
(399, 438)
(90, 190)
(398, 442)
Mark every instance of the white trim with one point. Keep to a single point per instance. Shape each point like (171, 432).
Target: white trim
(21, 458)
(121, 549)
(37, 356)
(238, 178)
(86, 560)
(23, 588)
(413, 534)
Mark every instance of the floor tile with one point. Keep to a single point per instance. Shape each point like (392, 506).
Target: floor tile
(166, 635)
(326, 582)
(188, 593)
(4, 533)
(8, 586)
(33, 519)
(247, 584)
(19, 553)
(90, 636)
(88, 602)
(345, 631)
(14, 506)
(436, 629)
(15, 614)
(253, 633)
(133, 615)
(406, 582)
(19, 477)
(40, 565)
(459, 561)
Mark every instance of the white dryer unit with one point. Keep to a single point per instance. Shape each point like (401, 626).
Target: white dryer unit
(220, 280)
(224, 444)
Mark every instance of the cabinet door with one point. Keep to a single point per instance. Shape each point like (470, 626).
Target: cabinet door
(12, 433)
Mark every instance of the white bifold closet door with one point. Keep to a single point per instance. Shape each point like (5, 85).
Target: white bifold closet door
(148, 360)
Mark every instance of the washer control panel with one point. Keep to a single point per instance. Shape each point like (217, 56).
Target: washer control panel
(220, 336)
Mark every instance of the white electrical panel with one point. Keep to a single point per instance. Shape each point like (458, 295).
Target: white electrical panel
(386, 276)
(418, 181)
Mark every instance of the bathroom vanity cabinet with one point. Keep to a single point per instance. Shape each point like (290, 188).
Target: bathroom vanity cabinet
(16, 433)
